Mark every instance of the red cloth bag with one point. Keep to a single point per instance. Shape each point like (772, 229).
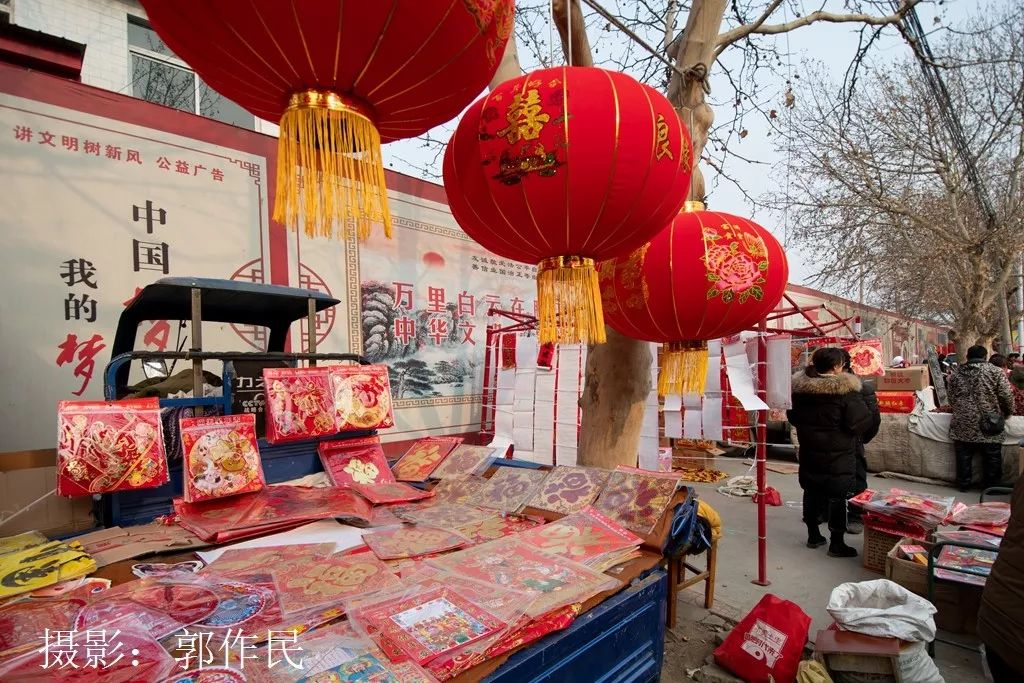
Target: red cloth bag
(767, 644)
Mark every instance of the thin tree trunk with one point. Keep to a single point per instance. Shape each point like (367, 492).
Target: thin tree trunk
(1005, 333)
(509, 66)
(567, 14)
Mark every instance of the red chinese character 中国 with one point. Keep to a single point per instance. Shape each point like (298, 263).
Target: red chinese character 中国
(218, 175)
(164, 163)
(467, 332)
(403, 295)
(86, 353)
(435, 299)
(133, 155)
(113, 152)
(69, 142)
(467, 304)
(405, 329)
(47, 138)
(438, 330)
(92, 147)
(181, 166)
(23, 133)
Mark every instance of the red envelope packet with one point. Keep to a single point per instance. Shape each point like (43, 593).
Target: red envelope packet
(396, 492)
(362, 397)
(300, 404)
(109, 446)
(222, 457)
(429, 624)
(355, 461)
(423, 457)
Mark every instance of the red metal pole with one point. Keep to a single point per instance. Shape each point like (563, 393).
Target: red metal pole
(761, 454)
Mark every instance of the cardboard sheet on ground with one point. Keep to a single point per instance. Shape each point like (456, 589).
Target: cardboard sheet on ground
(325, 531)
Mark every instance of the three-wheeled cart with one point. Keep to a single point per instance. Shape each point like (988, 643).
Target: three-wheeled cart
(621, 639)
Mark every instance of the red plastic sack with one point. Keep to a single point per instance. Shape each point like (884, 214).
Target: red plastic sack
(771, 497)
(767, 644)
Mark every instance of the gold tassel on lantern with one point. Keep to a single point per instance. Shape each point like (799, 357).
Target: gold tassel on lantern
(569, 301)
(329, 166)
(684, 368)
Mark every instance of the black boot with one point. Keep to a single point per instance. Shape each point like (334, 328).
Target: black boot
(814, 537)
(837, 547)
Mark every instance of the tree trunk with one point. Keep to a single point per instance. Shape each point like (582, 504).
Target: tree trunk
(509, 66)
(581, 53)
(618, 372)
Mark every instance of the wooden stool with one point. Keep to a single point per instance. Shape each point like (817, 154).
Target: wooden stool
(677, 580)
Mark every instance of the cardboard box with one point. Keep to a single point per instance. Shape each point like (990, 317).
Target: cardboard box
(904, 379)
(28, 479)
(957, 603)
(896, 401)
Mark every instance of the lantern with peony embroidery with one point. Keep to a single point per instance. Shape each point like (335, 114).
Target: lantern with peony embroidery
(341, 77)
(706, 275)
(563, 167)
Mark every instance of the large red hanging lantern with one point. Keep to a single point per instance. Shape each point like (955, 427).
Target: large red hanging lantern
(341, 77)
(706, 275)
(563, 167)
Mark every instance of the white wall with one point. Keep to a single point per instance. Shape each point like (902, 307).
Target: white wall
(102, 25)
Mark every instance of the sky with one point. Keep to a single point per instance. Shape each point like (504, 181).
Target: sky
(832, 46)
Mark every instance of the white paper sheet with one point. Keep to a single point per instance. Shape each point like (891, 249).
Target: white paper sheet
(673, 403)
(713, 382)
(648, 456)
(737, 367)
(692, 422)
(526, 352)
(566, 455)
(674, 425)
(780, 372)
(503, 422)
(501, 444)
(323, 531)
(691, 401)
(544, 388)
(712, 418)
(505, 394)
(544, 445)
(522, 437)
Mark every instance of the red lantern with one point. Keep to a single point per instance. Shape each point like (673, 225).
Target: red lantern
(341, 77)
(707, 275)
(563, 167)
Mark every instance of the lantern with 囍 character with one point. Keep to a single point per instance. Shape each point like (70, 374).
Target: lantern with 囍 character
(564, 167)
(341, 77)
(706, 275)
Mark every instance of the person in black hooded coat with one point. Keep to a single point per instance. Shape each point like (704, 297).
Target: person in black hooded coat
(830, 417)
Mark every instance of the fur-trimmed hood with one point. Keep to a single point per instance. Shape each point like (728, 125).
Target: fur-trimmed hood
(833, 385)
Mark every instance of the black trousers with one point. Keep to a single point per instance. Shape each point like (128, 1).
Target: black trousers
(854, 513)
(815, 502)
(992, 462)
(1001, 671)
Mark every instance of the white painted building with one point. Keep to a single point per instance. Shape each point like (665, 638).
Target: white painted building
(125, 56)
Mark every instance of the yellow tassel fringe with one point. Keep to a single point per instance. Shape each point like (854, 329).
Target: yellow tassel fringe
(569, 301)
(329, 167)
(684, 368)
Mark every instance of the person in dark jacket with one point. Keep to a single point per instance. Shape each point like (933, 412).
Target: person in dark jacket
(1001, 616)
(975, 390)
(854, 523)
(830, 417)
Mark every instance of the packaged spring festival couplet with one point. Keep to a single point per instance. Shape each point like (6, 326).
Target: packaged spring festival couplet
(222, 457)
(300, 404)
(362, 397)
(104, 447)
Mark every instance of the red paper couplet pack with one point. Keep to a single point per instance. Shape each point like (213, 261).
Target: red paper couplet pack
(362, 397)
(355, 461)
(300, 404)
(222, 457)
(104, 447)
(423, 457)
